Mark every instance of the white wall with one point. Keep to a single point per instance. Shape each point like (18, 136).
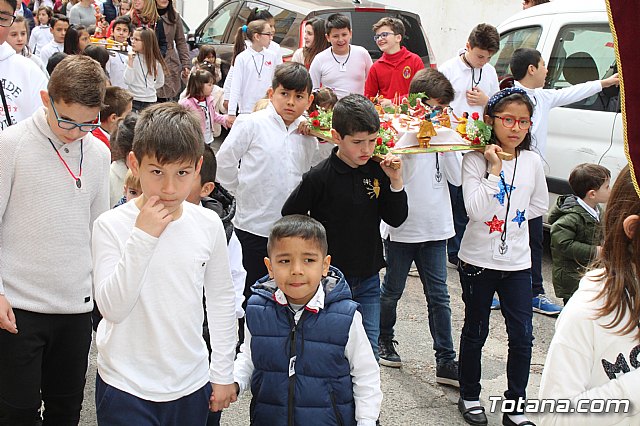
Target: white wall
(449, 22)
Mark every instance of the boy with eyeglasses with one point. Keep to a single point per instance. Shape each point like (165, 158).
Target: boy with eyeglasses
(22, 80)
(391, 75)
(50, 159)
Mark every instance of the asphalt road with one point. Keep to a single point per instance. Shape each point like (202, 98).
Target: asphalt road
(411, 394)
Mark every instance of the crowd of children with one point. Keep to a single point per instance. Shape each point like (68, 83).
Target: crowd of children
(274, 286)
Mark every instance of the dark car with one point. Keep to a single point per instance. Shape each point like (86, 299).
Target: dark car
(220, 27)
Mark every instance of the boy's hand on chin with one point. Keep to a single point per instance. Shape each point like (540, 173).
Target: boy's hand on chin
(222, 396)
(153, 217)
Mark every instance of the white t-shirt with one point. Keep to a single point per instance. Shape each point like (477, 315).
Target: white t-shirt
(463, 78)
(345, 74)
(486, 200)
(274, 158)
(425, 180)
(252, 75)
(149, 291)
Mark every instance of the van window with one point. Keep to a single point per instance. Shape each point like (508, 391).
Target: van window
(509, 42)
(581, 53)
(362, 22)
(213, 32)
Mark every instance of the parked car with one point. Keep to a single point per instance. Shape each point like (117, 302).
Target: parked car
(577, 46)
(220, 27)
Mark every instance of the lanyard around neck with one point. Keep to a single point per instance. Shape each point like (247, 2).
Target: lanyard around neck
(76, 178)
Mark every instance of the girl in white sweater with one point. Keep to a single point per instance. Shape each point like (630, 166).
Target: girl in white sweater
(500, 196)
(253, 68)
(593, 356)
(145, 68)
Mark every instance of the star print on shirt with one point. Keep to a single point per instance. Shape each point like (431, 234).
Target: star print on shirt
(495, 224)
(519, 218)
(504, 189)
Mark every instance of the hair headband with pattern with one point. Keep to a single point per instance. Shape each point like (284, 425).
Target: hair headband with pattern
(493, 101)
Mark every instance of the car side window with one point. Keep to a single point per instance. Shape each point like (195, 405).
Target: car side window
(581, 53)
(214, 31)
(287, 31)
(509, 42)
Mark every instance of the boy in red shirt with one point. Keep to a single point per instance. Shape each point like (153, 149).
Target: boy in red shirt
(391, 74)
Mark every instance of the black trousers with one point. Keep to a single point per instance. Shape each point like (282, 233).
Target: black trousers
(254, 250)
(46, 361)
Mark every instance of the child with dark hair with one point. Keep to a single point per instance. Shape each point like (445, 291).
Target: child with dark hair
(422, 239)
(99, 54)
(117, 104)
(41, 34)
(342, 66)
(273, 155)
(575, 227)
(392, 73)
(45, 305)
(59, 27)
(314, 42)
(207, 55)
(121, 143)
(500, 196)
(118, 60)
(349, 194)
(145, 69)
(154, 258)
(199, 98)
(592, 356)
(306, 303)
(76, 40)
(474, 81)
(22, 79)
(529, 71)
(323, 98)
(54, 60)
(253, 67)
(256, 14)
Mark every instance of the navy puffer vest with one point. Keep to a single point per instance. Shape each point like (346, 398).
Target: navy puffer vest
(320, 392)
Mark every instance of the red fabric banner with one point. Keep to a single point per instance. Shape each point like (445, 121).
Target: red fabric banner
(623, 21)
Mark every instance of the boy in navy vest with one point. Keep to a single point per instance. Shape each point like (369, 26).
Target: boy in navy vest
(305, 354)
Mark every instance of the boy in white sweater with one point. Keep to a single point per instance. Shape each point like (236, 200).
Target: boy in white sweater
(423, 239)
(274, 156)
(45, 265)
(529, 71)
(154, 257)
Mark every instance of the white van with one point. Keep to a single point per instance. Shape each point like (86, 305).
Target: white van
(577, 46)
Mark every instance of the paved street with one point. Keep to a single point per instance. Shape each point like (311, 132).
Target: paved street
(411, 395)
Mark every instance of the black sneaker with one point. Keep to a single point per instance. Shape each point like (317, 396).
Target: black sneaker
(447, 373)
(388, 355)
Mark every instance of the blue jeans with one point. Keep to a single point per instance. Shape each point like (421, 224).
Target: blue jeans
(514, 289)
(118, 408)
(460, 220)
(430, 259)
(366, 291)
(536, 238)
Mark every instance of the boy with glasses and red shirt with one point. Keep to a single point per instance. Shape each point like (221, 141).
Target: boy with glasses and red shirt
(391, 75)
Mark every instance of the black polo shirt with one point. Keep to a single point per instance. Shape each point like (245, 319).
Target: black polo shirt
(350, 202)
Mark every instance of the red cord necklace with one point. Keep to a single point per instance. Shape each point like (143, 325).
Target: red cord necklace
(77, 179)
